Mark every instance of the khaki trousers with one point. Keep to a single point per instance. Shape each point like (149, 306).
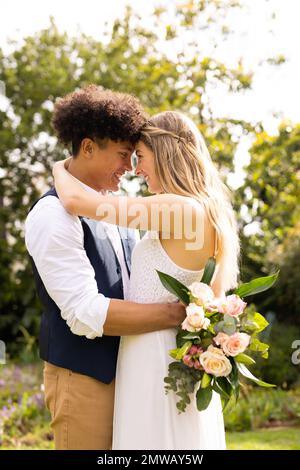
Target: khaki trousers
(81, 409)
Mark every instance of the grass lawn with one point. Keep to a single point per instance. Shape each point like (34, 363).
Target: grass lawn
(25, 422)
(281, 438)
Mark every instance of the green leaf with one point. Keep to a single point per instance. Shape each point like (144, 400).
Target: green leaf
(260, 321)
(184, 335)
(244, 359)
(219, 326)
(237, 392)
(206, 380)
(249, 326)
(170, 384)
(225, 402)
(233, 379)
(253, 322)
(246, 373)
(257, 285)
(228, 320)
(211, 315)
(228, 325)
(223, 387)
(178, 354)
(209, 271)
(206, 342)
(173, 353)
(175, 287)
(192, 336)
(203, 397)
(257, 346)
(211, 329)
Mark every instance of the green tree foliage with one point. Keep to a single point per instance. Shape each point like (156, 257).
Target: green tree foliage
(271, 193)
(164, 65)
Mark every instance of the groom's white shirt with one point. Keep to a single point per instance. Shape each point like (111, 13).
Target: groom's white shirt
(54, 239)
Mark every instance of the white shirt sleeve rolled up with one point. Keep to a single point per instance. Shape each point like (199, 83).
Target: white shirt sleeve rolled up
(54, 239)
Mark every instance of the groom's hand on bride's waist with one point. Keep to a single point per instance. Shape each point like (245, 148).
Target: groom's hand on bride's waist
(131, 318)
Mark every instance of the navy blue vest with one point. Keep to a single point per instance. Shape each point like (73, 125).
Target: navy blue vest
(58, 345)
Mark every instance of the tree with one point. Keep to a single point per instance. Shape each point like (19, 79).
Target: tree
(51, 64)
(271, 193)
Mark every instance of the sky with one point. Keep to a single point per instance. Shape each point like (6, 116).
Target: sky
(264, 29)
(275, 89)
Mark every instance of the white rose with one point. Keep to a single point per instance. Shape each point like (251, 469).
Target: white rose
(201, 293)
(195, 319)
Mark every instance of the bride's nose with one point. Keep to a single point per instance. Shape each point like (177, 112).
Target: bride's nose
(137, 170)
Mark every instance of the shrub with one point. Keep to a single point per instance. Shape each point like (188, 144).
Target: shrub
(22, 411)
(258, 408)
(278, 368)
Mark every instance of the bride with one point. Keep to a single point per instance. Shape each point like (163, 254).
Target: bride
(190, 199)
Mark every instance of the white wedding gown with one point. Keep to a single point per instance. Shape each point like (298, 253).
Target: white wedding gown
(144, 416)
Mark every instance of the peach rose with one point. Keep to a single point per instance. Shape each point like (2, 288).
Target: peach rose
(215, 362)
(235, 344)
(195, 319)
(221, 338)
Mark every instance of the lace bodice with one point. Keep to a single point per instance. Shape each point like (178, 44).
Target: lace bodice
(147, 257)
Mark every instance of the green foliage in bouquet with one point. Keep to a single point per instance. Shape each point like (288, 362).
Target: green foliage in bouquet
(213, 340)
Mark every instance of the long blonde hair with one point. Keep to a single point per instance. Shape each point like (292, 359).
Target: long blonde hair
(184, 166)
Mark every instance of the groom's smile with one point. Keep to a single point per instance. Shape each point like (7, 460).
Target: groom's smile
(101, 163)
(112, 161)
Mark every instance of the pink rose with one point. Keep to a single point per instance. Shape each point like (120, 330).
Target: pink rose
(231, 305)
(197, 365)
(188, 361)
(194, 350)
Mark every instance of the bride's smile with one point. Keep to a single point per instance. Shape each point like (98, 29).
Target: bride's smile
(146, 167)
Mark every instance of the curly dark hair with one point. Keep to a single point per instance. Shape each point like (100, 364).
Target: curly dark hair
(98, 114)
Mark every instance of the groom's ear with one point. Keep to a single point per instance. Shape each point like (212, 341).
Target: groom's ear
(87, 147)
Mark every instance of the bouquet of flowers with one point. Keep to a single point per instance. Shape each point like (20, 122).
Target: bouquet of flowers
(214, 339)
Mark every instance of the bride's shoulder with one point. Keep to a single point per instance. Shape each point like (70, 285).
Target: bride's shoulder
(190, 204)
(181, 200)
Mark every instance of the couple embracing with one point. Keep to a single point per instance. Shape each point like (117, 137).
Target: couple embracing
(107, 322)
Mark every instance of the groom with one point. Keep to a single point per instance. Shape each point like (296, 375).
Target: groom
(79, 265)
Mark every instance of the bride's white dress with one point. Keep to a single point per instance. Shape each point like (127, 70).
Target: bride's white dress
(145, 417)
